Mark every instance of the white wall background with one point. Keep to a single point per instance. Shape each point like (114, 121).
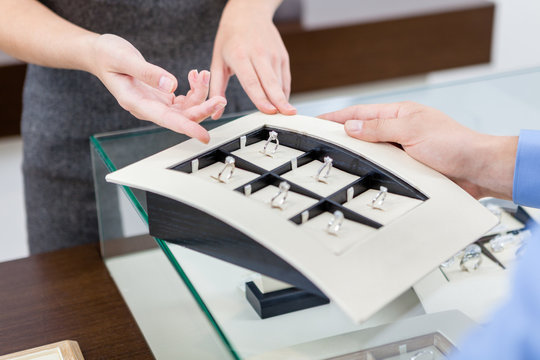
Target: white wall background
(318, 14)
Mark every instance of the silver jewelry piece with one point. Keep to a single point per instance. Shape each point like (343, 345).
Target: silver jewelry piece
(326, 165)
(472, 258)
(273, 136)
(229, 164)
(449, 262)
(279, 199)
(503, 241)
(378, 200)
(335, 223)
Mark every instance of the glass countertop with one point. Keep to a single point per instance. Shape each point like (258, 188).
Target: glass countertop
(198, 302)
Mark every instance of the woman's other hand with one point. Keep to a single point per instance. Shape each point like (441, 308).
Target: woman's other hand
(249, 45)
(481, 164)
(147, 91)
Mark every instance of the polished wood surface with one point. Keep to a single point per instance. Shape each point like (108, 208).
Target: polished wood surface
(11, 86)
(381, 50)
(66, 294)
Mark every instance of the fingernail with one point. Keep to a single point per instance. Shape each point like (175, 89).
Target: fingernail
(166, 84)
(290, 107)
(219, 106)
(206, 77)
(354, 126)
(271, 108)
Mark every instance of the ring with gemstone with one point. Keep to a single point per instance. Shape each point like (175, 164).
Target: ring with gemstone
(272, 136)
(279, 199)
(229, 164)
(326, 165)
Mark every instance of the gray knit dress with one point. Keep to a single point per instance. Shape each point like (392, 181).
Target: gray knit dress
(62, 108)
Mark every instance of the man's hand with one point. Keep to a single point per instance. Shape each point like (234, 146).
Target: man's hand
(249, 45)
(481, 164)
(147, 91)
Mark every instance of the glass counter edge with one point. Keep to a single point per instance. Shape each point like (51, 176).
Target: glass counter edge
(95, 142)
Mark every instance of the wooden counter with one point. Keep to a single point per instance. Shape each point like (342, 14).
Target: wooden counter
(66, 294)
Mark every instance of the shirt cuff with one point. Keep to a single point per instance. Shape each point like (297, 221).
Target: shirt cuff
(526, 189)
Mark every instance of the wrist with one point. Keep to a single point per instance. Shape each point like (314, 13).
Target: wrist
(86, 55)
(495, 157)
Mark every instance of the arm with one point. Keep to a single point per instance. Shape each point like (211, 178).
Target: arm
(249, 45)
(33, 33)
(481, 164)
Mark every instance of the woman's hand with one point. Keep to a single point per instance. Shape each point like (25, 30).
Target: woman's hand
(249, 45)
(481, 164)
(147, 91)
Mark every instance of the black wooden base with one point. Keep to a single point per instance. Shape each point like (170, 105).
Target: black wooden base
(281, 301)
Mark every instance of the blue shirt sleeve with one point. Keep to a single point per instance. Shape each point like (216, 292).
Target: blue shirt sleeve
(526, 190)
(514, 330)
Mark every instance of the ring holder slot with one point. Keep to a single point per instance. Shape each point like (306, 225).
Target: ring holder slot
(320, 177)
(295, 163)
(265, 188)
(220, 167)
(381, 205)
(269, 161)
(215, 156)
(202, 161)
(378, 197)
(373, 181)
(329, 206)
(250, 139)
(271, 197)
(272, 179)
(337, 237)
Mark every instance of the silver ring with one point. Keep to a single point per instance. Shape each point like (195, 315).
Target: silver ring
(326, 165)
(503, 241)
(472, 258)
(272, 136)
(229, 164)
(335, 223)
(378, 200)
(279, 199)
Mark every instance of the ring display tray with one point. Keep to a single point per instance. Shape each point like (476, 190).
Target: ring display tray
(296, 199)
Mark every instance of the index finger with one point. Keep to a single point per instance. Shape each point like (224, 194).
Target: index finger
(272, 87)
(252, 86)
(364, 112)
